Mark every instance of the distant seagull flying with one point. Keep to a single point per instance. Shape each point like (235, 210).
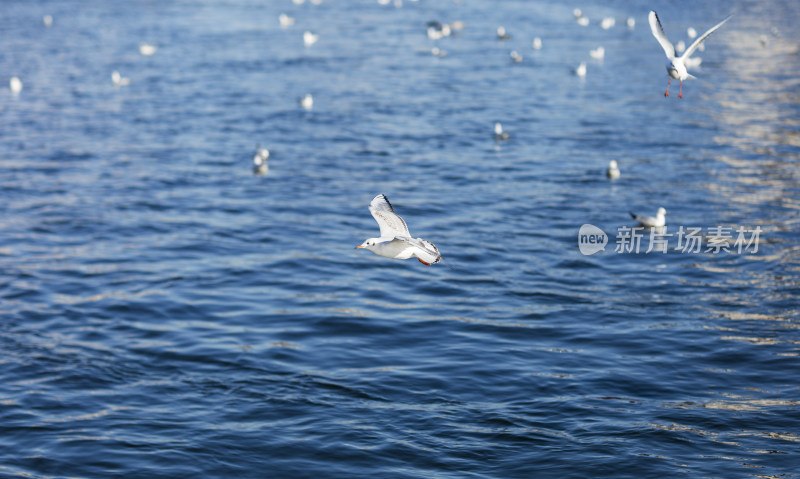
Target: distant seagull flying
(395, 240)
(650, 221)
(676, 66)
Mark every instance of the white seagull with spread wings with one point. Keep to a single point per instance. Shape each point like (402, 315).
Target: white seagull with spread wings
(676, 66)
(395, 240)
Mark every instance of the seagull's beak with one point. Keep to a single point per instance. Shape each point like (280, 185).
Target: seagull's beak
(359, 246)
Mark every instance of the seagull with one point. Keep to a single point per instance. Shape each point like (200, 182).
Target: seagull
(515, 56)
(147, 49)
(438, 52)
(285, 20)
(581, 70)
(395, 241)
(502, 34)
(499, 134)
(307, 101)
(260, 166)
(309, 38)
(651, 222)
(676, 66)
(15, 84)
(613, 170)
(598, 53)
(631, 22)
(537, 43)
(607, 22)
(438, 30)
(118, 80)
(47, 20)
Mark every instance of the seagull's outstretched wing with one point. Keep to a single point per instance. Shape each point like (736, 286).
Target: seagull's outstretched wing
(389, 222)
(700, 39)
(658, 32)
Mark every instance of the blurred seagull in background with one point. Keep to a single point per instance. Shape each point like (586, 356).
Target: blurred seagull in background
(581, 70)
(309, 38)
(676, 66)
(285, 20)
(47, 20)
(307, 101)
(260, 165)
(515, 56)
(395, 240)
(613, 170)
(499, 134)
(119, 80)
(502, 34)
(537, 43)
(146, 49)
(650, 221)
(15, 84)
(598, 53)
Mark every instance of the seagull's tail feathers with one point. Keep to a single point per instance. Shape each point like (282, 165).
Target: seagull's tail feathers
(632, 215)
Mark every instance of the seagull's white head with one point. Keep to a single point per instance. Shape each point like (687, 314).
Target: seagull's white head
(612, 164)
(498, 129)
(661, 212)
(369, 243)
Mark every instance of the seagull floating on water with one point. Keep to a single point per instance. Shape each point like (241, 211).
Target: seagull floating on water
(285, 20)
(631, 22)
(395, 240)
(499, 134)
(515, 56)
(607, 22)
(581, 70)
(119, 80)
(598, 53)
(651, 222)
(537, 43)
(309, 38)
(146, 49)
(260, 166)
(502, 34)
(613, 170)
(307, 101)
(676, 66)
(15, 84)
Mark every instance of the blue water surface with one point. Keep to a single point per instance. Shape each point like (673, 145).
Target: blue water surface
(164, 312)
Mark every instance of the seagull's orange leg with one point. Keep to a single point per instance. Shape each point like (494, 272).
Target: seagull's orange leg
(669, 82)
(680, 91)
